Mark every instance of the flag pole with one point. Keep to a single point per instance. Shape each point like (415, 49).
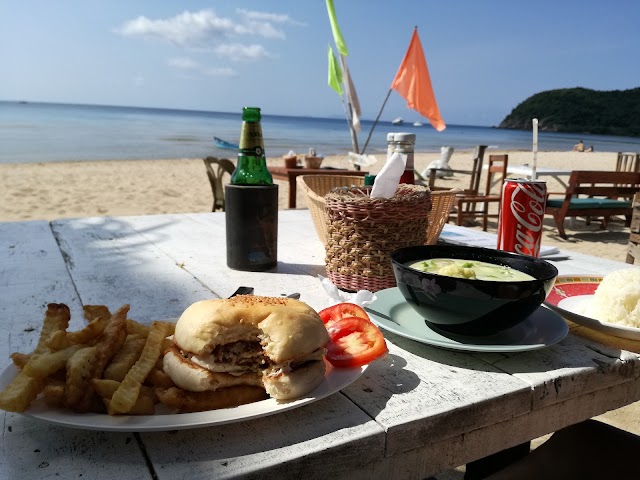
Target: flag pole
(376, 122)
(348, 115)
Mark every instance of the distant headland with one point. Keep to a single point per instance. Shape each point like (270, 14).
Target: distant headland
(579, 110)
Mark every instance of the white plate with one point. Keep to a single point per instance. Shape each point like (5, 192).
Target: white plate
(335, 379)
(569, 294)
(541, 329)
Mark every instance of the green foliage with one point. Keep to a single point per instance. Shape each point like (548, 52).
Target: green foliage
(580, 110)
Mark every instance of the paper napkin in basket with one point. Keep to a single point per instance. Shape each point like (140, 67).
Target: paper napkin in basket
(361, 297)
(386, 182)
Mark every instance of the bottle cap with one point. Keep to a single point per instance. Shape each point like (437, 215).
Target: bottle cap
(390, 136)
(251, 114)
(404, 137)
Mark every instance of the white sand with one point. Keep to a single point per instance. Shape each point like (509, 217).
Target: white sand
(46, 191)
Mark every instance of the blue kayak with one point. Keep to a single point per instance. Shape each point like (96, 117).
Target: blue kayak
(220, 143)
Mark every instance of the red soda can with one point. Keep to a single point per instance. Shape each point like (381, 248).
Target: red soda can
(521, 215)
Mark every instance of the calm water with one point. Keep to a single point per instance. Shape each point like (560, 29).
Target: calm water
(41, 132)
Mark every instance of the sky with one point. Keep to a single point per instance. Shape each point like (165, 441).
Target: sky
(484, 57)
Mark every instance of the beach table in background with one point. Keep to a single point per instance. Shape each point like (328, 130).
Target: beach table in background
(419, 411)
(559, 175)
(526, 171)
(290, 174)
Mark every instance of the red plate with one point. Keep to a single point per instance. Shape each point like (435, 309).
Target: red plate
(574, 286)
(567, 286)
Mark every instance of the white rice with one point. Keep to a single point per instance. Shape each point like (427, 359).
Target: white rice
(617, 298)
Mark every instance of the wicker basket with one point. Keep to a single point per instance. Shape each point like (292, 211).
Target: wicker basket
(362, 232)
(317, 186)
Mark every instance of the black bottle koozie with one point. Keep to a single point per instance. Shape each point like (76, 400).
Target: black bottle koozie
(251, 217)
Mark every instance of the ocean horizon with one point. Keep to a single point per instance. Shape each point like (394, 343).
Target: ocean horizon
(33, 132)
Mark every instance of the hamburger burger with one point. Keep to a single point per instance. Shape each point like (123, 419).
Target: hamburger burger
(271, 342)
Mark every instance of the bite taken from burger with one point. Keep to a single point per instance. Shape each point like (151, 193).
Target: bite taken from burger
(271, 342)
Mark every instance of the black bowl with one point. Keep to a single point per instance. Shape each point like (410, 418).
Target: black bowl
(469, 306)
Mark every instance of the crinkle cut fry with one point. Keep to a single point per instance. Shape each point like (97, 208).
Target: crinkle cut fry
(122, 361)
(125, 397)
(56, 319)
(91, 312)
(106, 346)
(18, 395)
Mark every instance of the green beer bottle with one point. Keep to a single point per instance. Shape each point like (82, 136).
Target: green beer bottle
(252, 165)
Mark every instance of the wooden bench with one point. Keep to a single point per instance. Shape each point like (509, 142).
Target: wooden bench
(633, 248)
(593, 193)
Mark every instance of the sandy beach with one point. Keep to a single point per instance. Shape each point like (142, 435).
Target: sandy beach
(47, 191)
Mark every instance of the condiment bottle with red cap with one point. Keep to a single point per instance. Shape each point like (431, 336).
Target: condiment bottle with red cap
(404, 144)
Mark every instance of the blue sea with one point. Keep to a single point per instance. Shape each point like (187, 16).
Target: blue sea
(48, 132)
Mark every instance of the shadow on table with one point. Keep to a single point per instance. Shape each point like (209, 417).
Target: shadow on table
(115, 262)
(304, 269)
(572, 352)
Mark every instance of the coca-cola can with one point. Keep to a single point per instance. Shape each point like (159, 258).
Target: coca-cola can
(521, 216)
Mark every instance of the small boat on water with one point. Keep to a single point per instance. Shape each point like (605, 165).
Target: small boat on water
(397, 121)
(220, 143)
(417, 124)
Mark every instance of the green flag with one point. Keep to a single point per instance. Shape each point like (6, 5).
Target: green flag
(337, 35)
(335, 73)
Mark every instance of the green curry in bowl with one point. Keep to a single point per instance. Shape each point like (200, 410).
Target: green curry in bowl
(463, 268)
(446, 285)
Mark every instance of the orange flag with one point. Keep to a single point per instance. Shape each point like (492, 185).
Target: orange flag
(414, 83)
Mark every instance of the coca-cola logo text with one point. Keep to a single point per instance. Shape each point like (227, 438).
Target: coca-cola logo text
(529, 219)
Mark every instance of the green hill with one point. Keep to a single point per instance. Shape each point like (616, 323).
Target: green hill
(580, 110)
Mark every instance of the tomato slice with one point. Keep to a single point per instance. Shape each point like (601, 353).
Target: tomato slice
(354, 342)
(342, 310)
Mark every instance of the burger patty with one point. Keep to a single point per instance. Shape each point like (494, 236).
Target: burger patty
(246, 356)
(243, 353)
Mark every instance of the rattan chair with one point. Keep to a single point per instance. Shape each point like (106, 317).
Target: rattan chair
(216, 170)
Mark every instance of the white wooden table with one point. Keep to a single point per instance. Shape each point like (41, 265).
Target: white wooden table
(418, 412)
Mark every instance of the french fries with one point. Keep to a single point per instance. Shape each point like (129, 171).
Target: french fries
(18, 395)
(45, 364)
(92, 361)
(125, 397)
(125, 358)
(20, 359)
(112, 365)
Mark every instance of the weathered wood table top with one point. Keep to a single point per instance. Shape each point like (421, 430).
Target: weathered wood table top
(420, 411)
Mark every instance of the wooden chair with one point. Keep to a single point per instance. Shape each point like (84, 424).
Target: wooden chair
(595, 194)
(628, 162)
(474, 180)
(633, 248)
(471, 206)
(474, 173)
(216, 169)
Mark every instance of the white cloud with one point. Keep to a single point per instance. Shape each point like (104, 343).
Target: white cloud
(204, 27)
(268, 17)
(219, 72)
(239, 52)
(189, 65)
(183, 63)
(208, 31)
